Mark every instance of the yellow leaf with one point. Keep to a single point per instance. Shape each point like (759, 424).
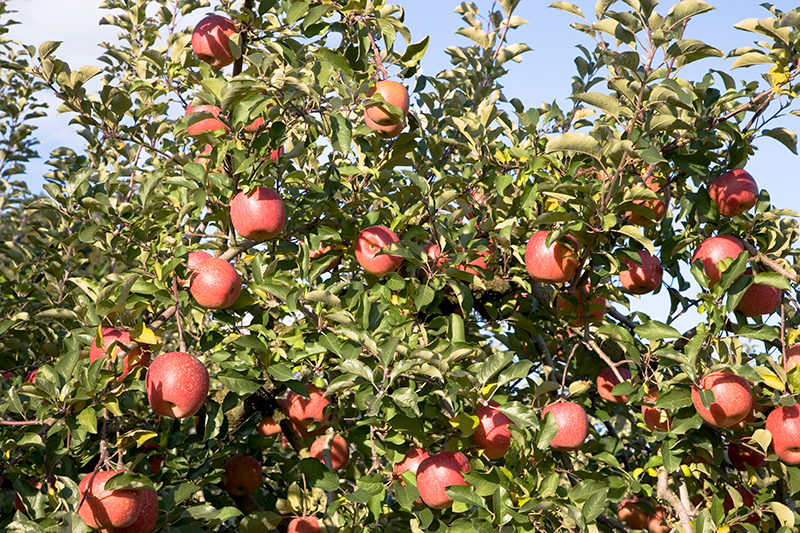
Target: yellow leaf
(773, 381)
(144, 334)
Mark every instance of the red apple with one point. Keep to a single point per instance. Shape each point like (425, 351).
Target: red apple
(644, 277)
(631, 514)
(393, 93)
(607, 380)
(573, 425)
(207, 149)
(108, 508)
(304, 524)
(340, 451)
(31, 377)
(304, 411)
(759, 299)
(371, 241)
(550, 264)
(268, 427)
(492, 434)
(792, 357)
(253, 126)
(747, 502)
(259, 214)
(734, 192)
(658, 207)
(741, 456)
(242, 475)
(733, 399)
(111, 338)
(384, 132)
(215, 284)
(210, 40)
(206, 124)
(411, 461)
(177, 384)
(658, 522)
(577, 316)
(197, 258)
(713, 250)
(783, 423)
(654, 417)
(436, 473)
(146, 521)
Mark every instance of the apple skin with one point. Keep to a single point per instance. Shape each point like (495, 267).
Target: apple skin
(577, 316)
(747, 502)
(607, 380)
(658, 207)
(139, 356)
(733, 399)
(369, 242)
(146, 521)
(304, 524)
(792, 357)
(259, 214)
(177, 384)
(393, 93)
(734, 192)
(268, 427)
(644, 277)
(304, 411)
(384, 132)
(784, 425)
(411, 461)
(713, 250)
(31, 377)
(657, 522)
(573, 425)
(631, 514)
(108, 508)
(210, 40)
(436, 473)
(653, 415)
(553, 264)
(215, 284)
(741, 456)
(197, 258)
(759, 299)
(492, 434)
(206, 124)
(340, 451)
(242, 475)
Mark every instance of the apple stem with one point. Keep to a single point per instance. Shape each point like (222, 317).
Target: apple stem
(181, 341)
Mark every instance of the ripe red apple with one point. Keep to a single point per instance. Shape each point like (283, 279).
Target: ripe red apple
(259, 214)
(111, 337)
(268, 427)
(658, 207)
(607, 380)
(792, 357)
(197, 258)
(411, 461)
(242, 475)
(733, 399)
(206, 124)
(741, 456)
(759, 299)
(340, 451)
(713, 250)
(108, 508)
(393, 93)
(550, 264)
(384, 132)
(31, 377)
(210, 40)
(304, 411)
(654, 417)
(734, 192)
(215, 284)
(573, 425)
(784, 425)
(657, 521)
(577, 315)
(146, 521)
(304, 524)
(492, 434)
(372, 240)
(644, 277)
(177, 384)
(436, 473)
(631, 514)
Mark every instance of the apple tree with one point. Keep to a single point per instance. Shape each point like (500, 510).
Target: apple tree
(426, 324)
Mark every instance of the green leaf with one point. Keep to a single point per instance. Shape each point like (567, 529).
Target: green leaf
(465, 494)
(424, 296)
(129, 480)
(47, 48)
(326, 297)
(674, 399)
(341, 133)
(356, 367)
(477, 35)
(785, 514)
(336, 59)
(548, 431)
(635, 233)
(492, 365)
(657, 330)
(595, 505)
(569, 7)
(751, 58)
(239, 384)
(281, 372)
(415, 52)
(785, 136)
(88, 420)
(573, 141)
(604, 102)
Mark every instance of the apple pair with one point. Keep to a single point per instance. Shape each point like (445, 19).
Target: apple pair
(492, 434)
(116, 510)
(636, 517)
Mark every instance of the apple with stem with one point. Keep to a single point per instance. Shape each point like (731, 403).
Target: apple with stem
(393, 93)
(783, 423)
(108, 508)
(242, 474)
(436, 473)
(203, 125)
(643, 277)
(607, 380)
(369, 242)
(713, 250)
(111, 338)
(215, 284)
(211, 40)
(733, 399)
(340, 451)
(734, 192)
(492, 434)
(550, 264)
(177, 384)
(573, 425)
(258, 215)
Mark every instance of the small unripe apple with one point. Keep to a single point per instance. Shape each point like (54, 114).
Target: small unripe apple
(177, 384)
(713, 250)
(783, 423)
(108, 508)
(259, 214)
(139, 356)
(550, 264)
(573, 425)
(340, 451)
(492, 434)
(733, 399)
(436, 473)
(607, 380)
(205, 124)
(734, 192)
(304, 524)
(644, 277)
(372, 240)
(393, 93)
(759, 299)
(211, 40)
(658, 207)
(215, 284)
(741, 456)
(242, 475)
(577, 315)
(631, 514)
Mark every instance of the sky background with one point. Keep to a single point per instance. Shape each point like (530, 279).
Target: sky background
(544, 75)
